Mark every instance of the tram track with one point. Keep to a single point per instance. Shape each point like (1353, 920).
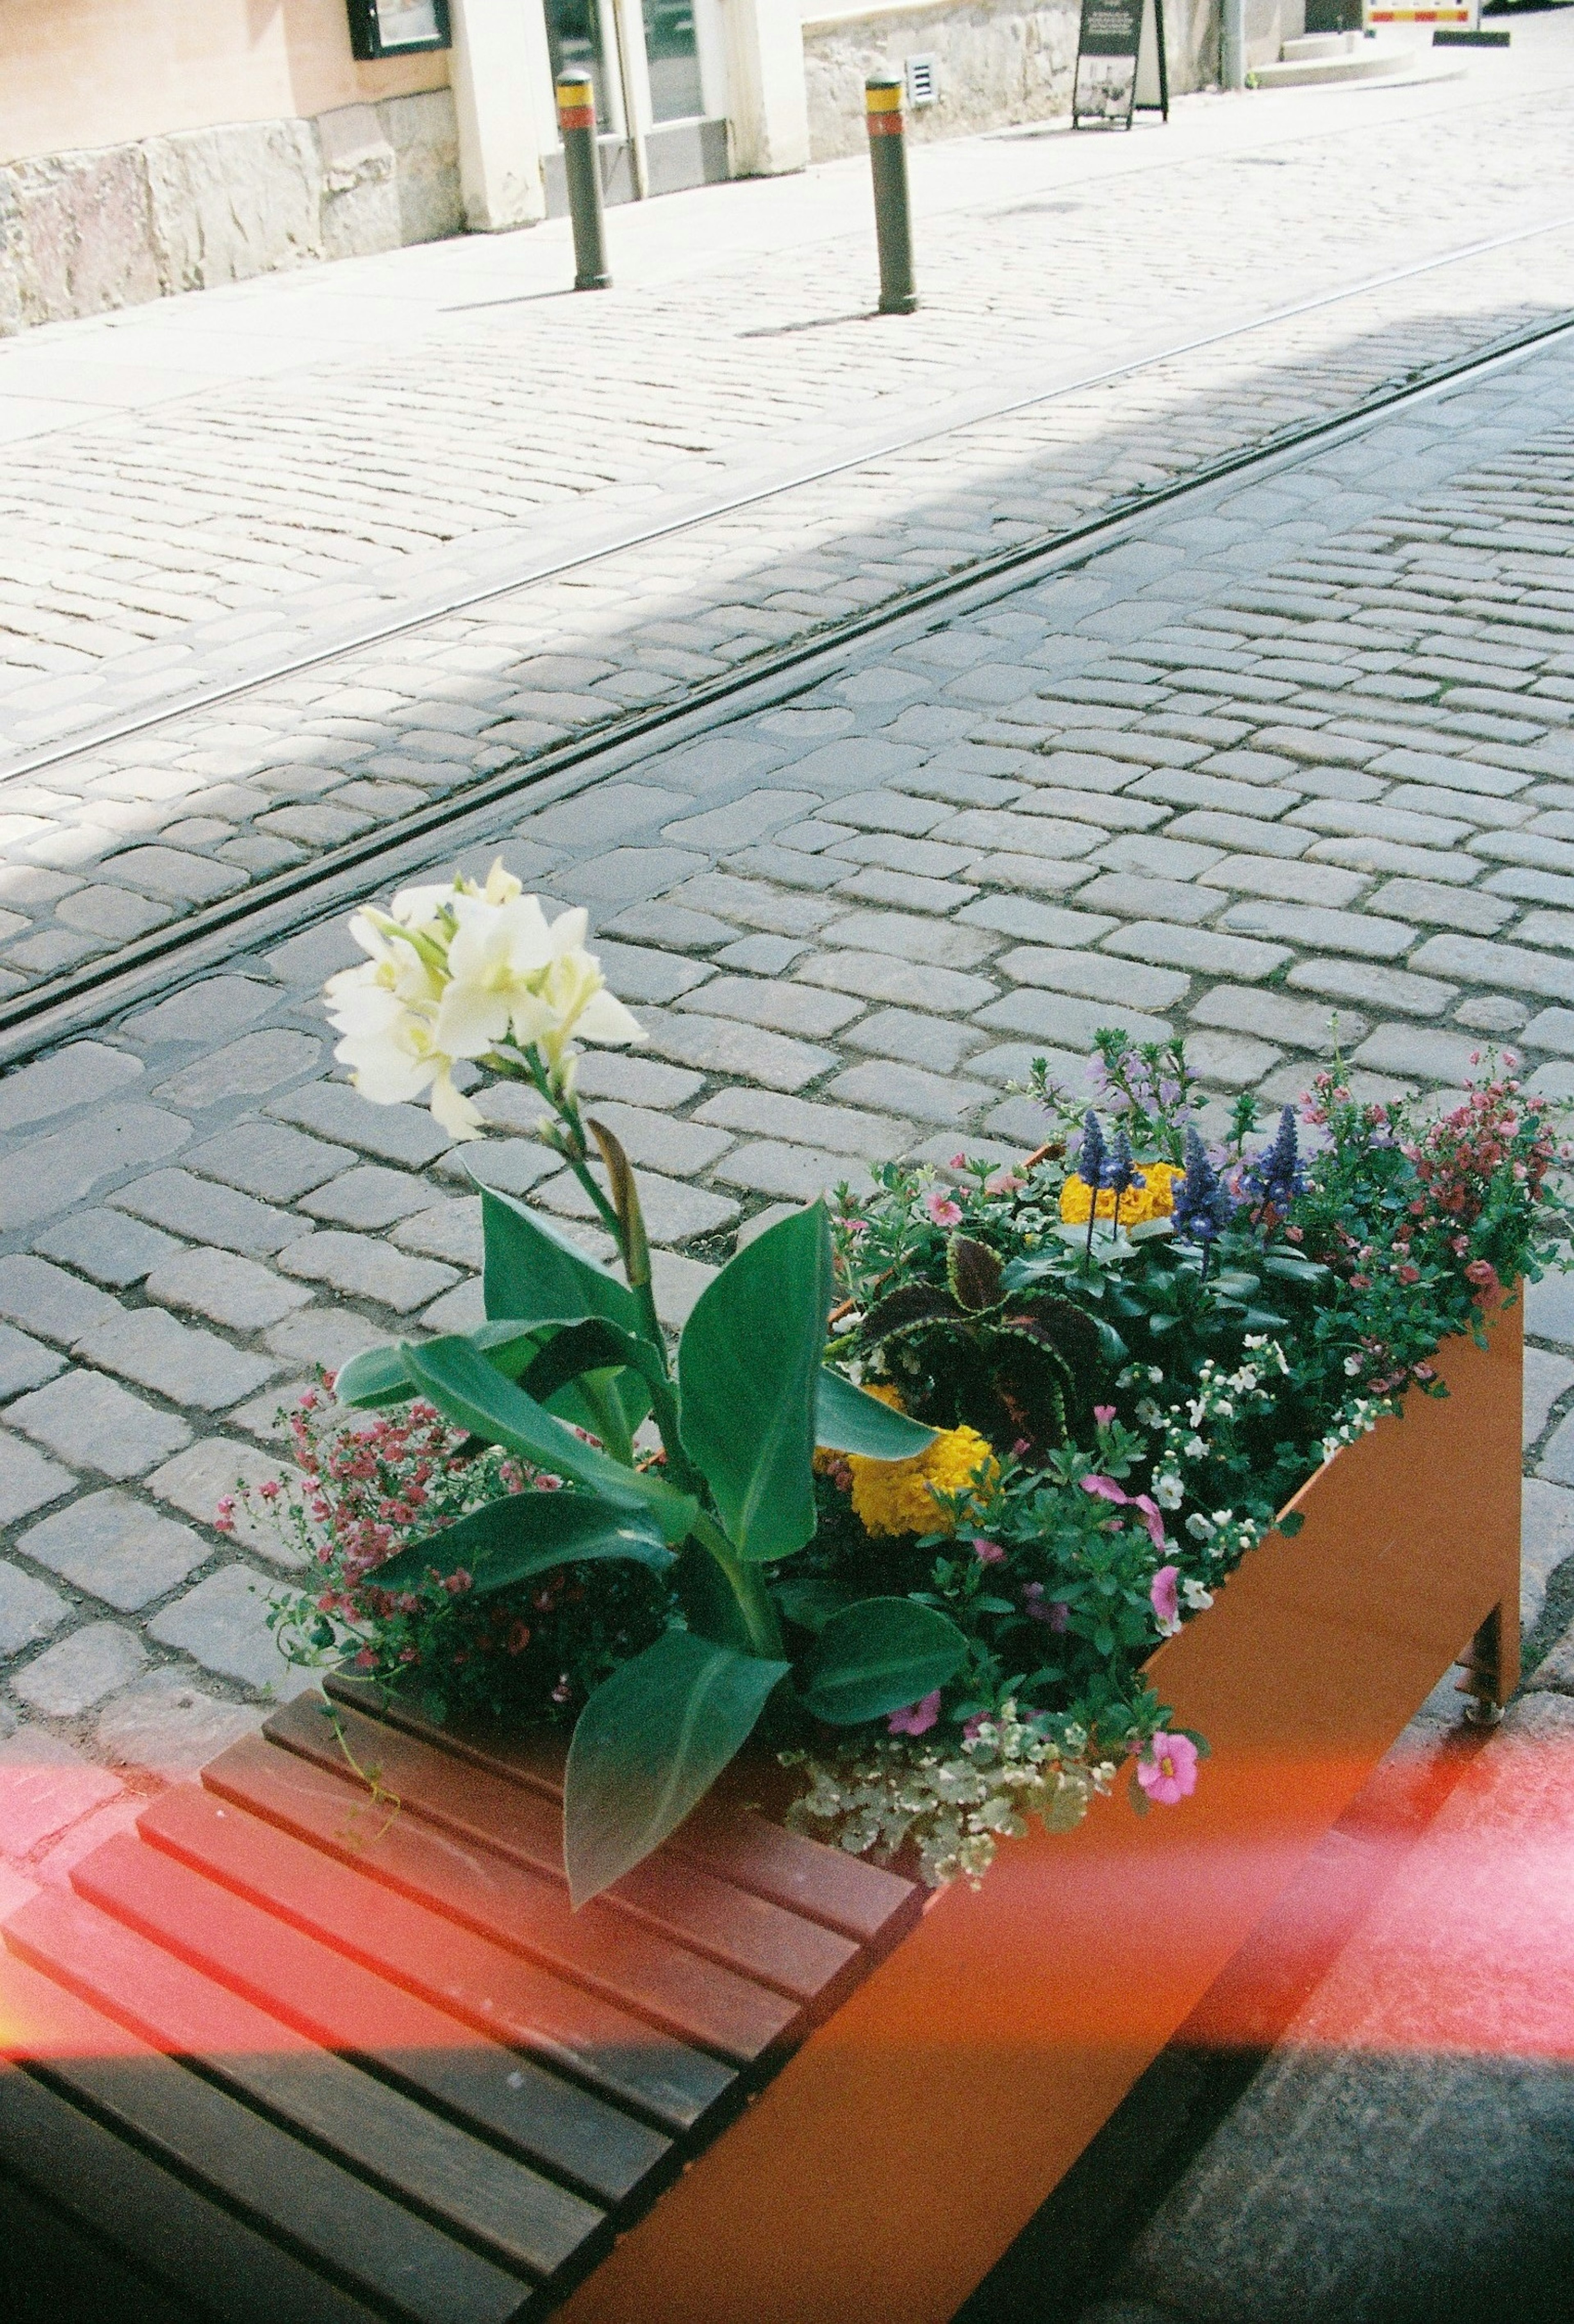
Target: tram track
(273, 907)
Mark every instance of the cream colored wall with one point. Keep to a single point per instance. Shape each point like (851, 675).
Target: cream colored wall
(89, 73)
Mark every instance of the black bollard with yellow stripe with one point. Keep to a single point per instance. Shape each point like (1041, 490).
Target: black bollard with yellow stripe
(883, 94)
(582, 168)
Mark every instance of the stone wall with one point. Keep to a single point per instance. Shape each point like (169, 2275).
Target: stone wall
(85, 231)
(997, 63)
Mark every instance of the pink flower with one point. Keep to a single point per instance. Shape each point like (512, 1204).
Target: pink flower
(1167, 1770)
(942, 1208)
(1104, 1488)
(1104, 1414)
(916, 1718)
(1052, 1612)
(987, 1553)
(970, 1726)
(1005, 1182)
(1165, 1593)
(958, 1161)
(1150, 1518)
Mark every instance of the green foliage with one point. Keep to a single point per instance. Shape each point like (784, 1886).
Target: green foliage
(845, 1420)
(876, 1656)
(511, 1541)
(534, 1272)
(649, 1745)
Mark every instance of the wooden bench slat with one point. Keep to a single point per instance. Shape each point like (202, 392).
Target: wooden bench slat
(507, 1902)
(806, 1877)
(740, 2021)
(536, 2114)
(167, 2228)
(295, 1975)
(731, 1925)
(412, 2152)
(323, 2210)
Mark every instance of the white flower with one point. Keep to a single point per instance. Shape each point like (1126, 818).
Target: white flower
(1194, 1448)
(1197, 1595)
(1169, 1492)
(1353, 1365)
(1198, 1526)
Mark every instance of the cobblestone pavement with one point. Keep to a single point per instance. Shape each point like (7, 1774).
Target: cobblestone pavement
(252, 497)
(1298, 746)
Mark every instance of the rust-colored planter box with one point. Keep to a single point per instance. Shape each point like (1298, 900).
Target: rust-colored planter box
(944, 2066)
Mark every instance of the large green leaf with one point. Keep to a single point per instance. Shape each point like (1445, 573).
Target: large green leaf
(465, 1389)
(878, 1654)
(377, 1376)
(649, 1743)
(748, 1367)
(594, 1345)
(527, 1534)
(534, 1272)
(846, 1420)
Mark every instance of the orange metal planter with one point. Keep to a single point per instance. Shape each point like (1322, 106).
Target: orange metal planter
(899, 2151)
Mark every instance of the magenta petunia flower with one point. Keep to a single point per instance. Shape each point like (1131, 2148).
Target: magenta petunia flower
(1164, 1590)
(916, 1718)
(1104, 1488)
(1104, 1414)
(942, 1208)
(1150, 1518)
(987, 1553)
(1167, 1770)
(1054, 1611)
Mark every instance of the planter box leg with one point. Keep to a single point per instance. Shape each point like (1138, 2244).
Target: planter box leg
(1490, 1666)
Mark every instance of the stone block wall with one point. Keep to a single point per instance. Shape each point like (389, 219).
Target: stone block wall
(997, 63)
(81, 233)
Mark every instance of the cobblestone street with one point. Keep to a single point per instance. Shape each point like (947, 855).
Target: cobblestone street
(1287, 764)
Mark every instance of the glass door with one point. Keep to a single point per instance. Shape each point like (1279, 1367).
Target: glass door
(673, 57)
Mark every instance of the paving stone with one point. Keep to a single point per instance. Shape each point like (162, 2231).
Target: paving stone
(189, 1366)
(208, 1213)
(761, 955)
(28, 1609)
(1128, 896)
(363, 1266)
(752, 905)
(1492, 1012)
(786, 1008)
(635, 973)
(69, 1678)
(1546, 1378)
(50, 1175)
(1195, 948)
(927, 1097)
(1094, 974)
(224, 1288)
(642, 1080)
(718, 1044)
(266, 1159)
(45, 1786)
(205, 1012)
(677, 1281)
(666, 923)
(900, 933)
(50, 1302)
(1066, 1021)
(223, 1624)
(879, 977)
(799, 1121)
(929, 1041)
(1477, 962)
(1423, 1050)
(801, 1174)
(1374, 986)
(1552, 1028)
(111, 1546)
(214, 1469)
(462, 1309)
(1298, 1024)
(1546, 1542)
(27, 1480)
(164, 1722)
(321, 1336)
(1229, 1060)
(1033, 922)
(1470, 911)
(674, 1211)
(23, 1362)
(368, 1196)
(449, 1229)
(655, 1142)
(248, 1067)
(113, 1250)
(93, 1424)
(397, 1133)
(170, 872)
(1310, 925)
(82, 1074)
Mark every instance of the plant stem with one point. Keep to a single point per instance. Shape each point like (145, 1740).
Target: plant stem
(748, 1584)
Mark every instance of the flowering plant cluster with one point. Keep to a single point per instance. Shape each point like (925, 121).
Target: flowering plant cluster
(926, 1480)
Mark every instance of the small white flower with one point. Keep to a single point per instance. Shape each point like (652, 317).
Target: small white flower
(1195, 1448)
(1199, 1527)
(1169, 1492)
(1197, 1595)
(1353, 1364)
(1148, 1412)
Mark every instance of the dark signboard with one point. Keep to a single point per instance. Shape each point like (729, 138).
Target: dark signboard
(1115, 33)
(394, 28)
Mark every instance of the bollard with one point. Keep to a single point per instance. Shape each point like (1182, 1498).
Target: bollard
(892, 216)
(582, 168)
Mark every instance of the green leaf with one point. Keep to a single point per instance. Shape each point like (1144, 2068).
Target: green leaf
(649, 1743)
(876, 1656)
(526, 1534)
(748, 1367)
(375, 1377)
(465, 1389)
(1291, 1523)
(812, 1604)
(848, 1420)
(535, 1274)
(594, 1345)
(1151, 1230)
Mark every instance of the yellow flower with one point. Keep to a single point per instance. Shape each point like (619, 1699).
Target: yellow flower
(897, 1497)
(1153, 1200)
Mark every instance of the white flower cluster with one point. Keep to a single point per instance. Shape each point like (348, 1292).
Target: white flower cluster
(1223, 1537)
(954, 1809)
(453, 972)
(1357, 1419)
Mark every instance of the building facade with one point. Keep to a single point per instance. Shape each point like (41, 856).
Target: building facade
(150, 147)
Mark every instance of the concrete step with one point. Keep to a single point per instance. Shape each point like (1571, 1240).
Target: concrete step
(1368, 61)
